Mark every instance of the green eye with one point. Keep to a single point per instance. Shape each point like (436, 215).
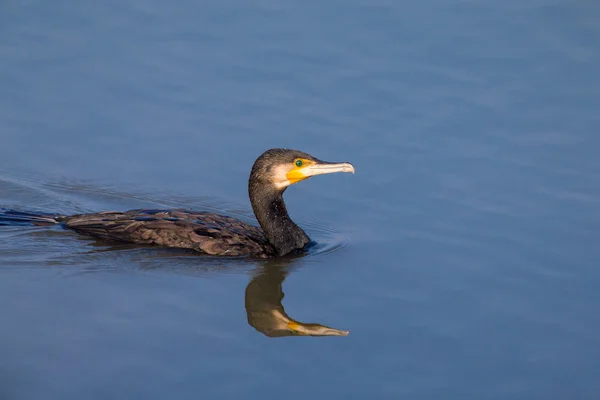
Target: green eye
(298, 163)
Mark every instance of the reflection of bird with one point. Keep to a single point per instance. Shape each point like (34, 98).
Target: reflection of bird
(209, 233)
(266, 314)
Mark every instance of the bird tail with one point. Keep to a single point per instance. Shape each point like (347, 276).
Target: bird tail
(15, 217)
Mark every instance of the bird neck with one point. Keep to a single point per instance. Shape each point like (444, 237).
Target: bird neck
(270, 211)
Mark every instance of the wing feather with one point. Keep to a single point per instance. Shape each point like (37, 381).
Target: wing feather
(205, 232)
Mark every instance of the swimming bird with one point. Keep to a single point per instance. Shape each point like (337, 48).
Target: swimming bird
(272, 173)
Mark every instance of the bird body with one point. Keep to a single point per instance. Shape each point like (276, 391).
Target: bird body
(205, 232)
(201, 231)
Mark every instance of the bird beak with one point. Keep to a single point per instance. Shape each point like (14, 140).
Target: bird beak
(318, 168)
(322, 167)
(314, 329)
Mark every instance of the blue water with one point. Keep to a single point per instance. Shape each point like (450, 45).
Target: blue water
(461, 256)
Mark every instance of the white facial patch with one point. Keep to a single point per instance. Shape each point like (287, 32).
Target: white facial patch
(279, 176)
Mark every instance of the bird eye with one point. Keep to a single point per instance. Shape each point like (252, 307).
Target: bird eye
(298, 163)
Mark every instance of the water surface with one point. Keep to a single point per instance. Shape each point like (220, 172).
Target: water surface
(461, 256)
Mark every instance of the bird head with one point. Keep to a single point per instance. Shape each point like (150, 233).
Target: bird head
(284, 167)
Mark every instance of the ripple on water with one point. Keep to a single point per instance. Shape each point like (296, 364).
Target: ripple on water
(327, 239)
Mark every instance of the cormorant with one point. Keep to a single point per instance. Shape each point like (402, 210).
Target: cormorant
(209, 233)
